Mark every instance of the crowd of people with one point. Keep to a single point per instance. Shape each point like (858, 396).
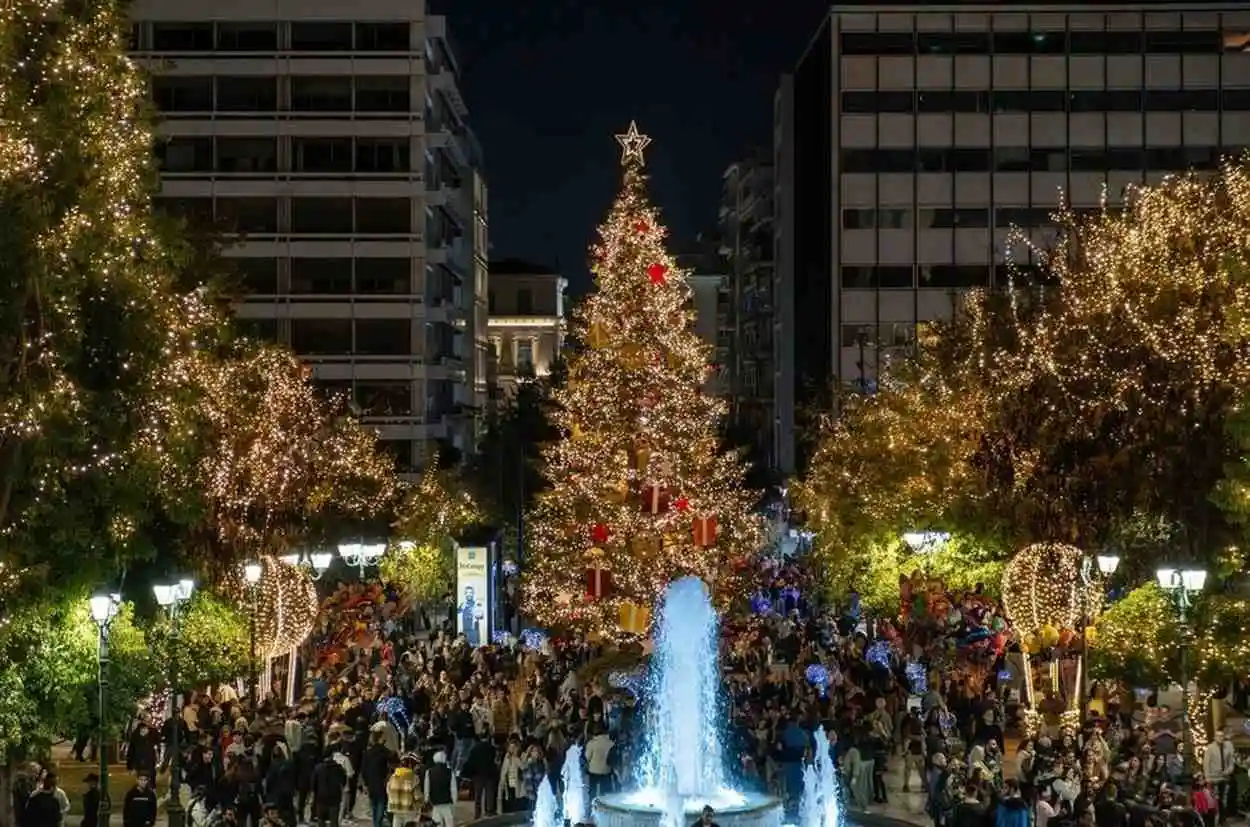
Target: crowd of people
(397, 723)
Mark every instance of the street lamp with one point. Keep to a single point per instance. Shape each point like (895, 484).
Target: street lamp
(919, 541)
(1107, 564)
(361, 556)
(172, 597)
(1183, 585)
(103, 609)
(251, 574)
(316, 562)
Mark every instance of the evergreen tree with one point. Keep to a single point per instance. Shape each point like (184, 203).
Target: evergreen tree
(640, 491)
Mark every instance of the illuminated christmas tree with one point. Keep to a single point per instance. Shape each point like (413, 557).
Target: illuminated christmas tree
(641, 492)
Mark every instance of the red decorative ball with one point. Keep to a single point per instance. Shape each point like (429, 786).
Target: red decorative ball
(658, 273)
(641, 227)
(681, 504)
(599, 533)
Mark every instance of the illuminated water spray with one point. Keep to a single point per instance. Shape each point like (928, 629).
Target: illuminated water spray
(683, 744)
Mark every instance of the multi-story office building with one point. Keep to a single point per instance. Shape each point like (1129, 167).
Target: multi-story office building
(745, 229)
(526, 321)
(705, 276)
(333, 139)
(912, 137)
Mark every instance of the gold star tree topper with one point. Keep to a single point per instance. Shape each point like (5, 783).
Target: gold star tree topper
(632, 144)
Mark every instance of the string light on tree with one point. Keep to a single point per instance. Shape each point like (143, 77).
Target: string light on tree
(641, 491)
(1040, 414)
(286, 605)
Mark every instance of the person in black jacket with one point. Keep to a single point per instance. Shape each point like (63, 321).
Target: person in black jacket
(139, 807)
(141, 754)
(375, 770)
(481, 769)
(91, 801)
(280, 783)
(328, 781)
(42, 809)
(305, 763)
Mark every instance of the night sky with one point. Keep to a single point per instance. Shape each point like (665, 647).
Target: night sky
(549, 82)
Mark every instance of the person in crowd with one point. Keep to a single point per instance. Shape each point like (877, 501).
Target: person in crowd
(43, 808)
(598, 758)
(707, 818)
(329, 780)
(91, 801)
(375, 770)
(441, 791)
(403, 800)
(139, 805)
(482, 771)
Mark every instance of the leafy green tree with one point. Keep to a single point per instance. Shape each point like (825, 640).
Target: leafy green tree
(88, 320)
(504, 474)
(960, 563)
(434, 512)
(213, 646)
(87, 315)
(1137, 639)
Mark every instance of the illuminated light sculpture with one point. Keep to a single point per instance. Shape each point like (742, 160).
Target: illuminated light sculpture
(1047, 589)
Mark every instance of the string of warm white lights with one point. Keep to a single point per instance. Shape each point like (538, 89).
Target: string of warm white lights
(640, 487)
(285, 608)
(1059, 412)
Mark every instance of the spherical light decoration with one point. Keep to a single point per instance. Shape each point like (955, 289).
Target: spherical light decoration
(1043, 587)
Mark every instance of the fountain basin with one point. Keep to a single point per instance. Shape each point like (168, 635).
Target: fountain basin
(645, 808)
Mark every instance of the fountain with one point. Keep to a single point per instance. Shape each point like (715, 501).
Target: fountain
(823, 784)
(574, 778)
(546, 810)
(682, 770)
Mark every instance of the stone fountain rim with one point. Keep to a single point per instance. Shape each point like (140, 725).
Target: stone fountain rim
(856, 819)
(756, 802)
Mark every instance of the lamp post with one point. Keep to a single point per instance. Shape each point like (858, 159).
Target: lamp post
(1107, 564)
(1183, 584)
(171, 598)
(251, 574)
(316, 562)
(925, 541)
(361, 556)
(103, 610)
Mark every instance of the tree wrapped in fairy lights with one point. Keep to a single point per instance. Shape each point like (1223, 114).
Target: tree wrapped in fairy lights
(641, 492)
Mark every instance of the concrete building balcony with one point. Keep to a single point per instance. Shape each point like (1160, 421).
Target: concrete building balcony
(407, 427)
(452, 143)
(445, 195)
(445, 83)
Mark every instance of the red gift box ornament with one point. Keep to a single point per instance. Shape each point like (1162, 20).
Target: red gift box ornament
(599, 533)
(705, 530)
(598, 581)
(655, 499)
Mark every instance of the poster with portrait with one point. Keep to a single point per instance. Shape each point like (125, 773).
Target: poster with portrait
(473, 594)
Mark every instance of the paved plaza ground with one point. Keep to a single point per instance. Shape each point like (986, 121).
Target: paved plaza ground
(903, 806)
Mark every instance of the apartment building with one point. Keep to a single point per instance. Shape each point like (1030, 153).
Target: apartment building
(911, 138)
(745, 229)
(333, 139)
(708, 303)
(525, 321)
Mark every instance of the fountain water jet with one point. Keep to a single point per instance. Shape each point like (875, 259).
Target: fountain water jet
(683, 768)
(574, 778)
(546, 809)
(824, 781)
